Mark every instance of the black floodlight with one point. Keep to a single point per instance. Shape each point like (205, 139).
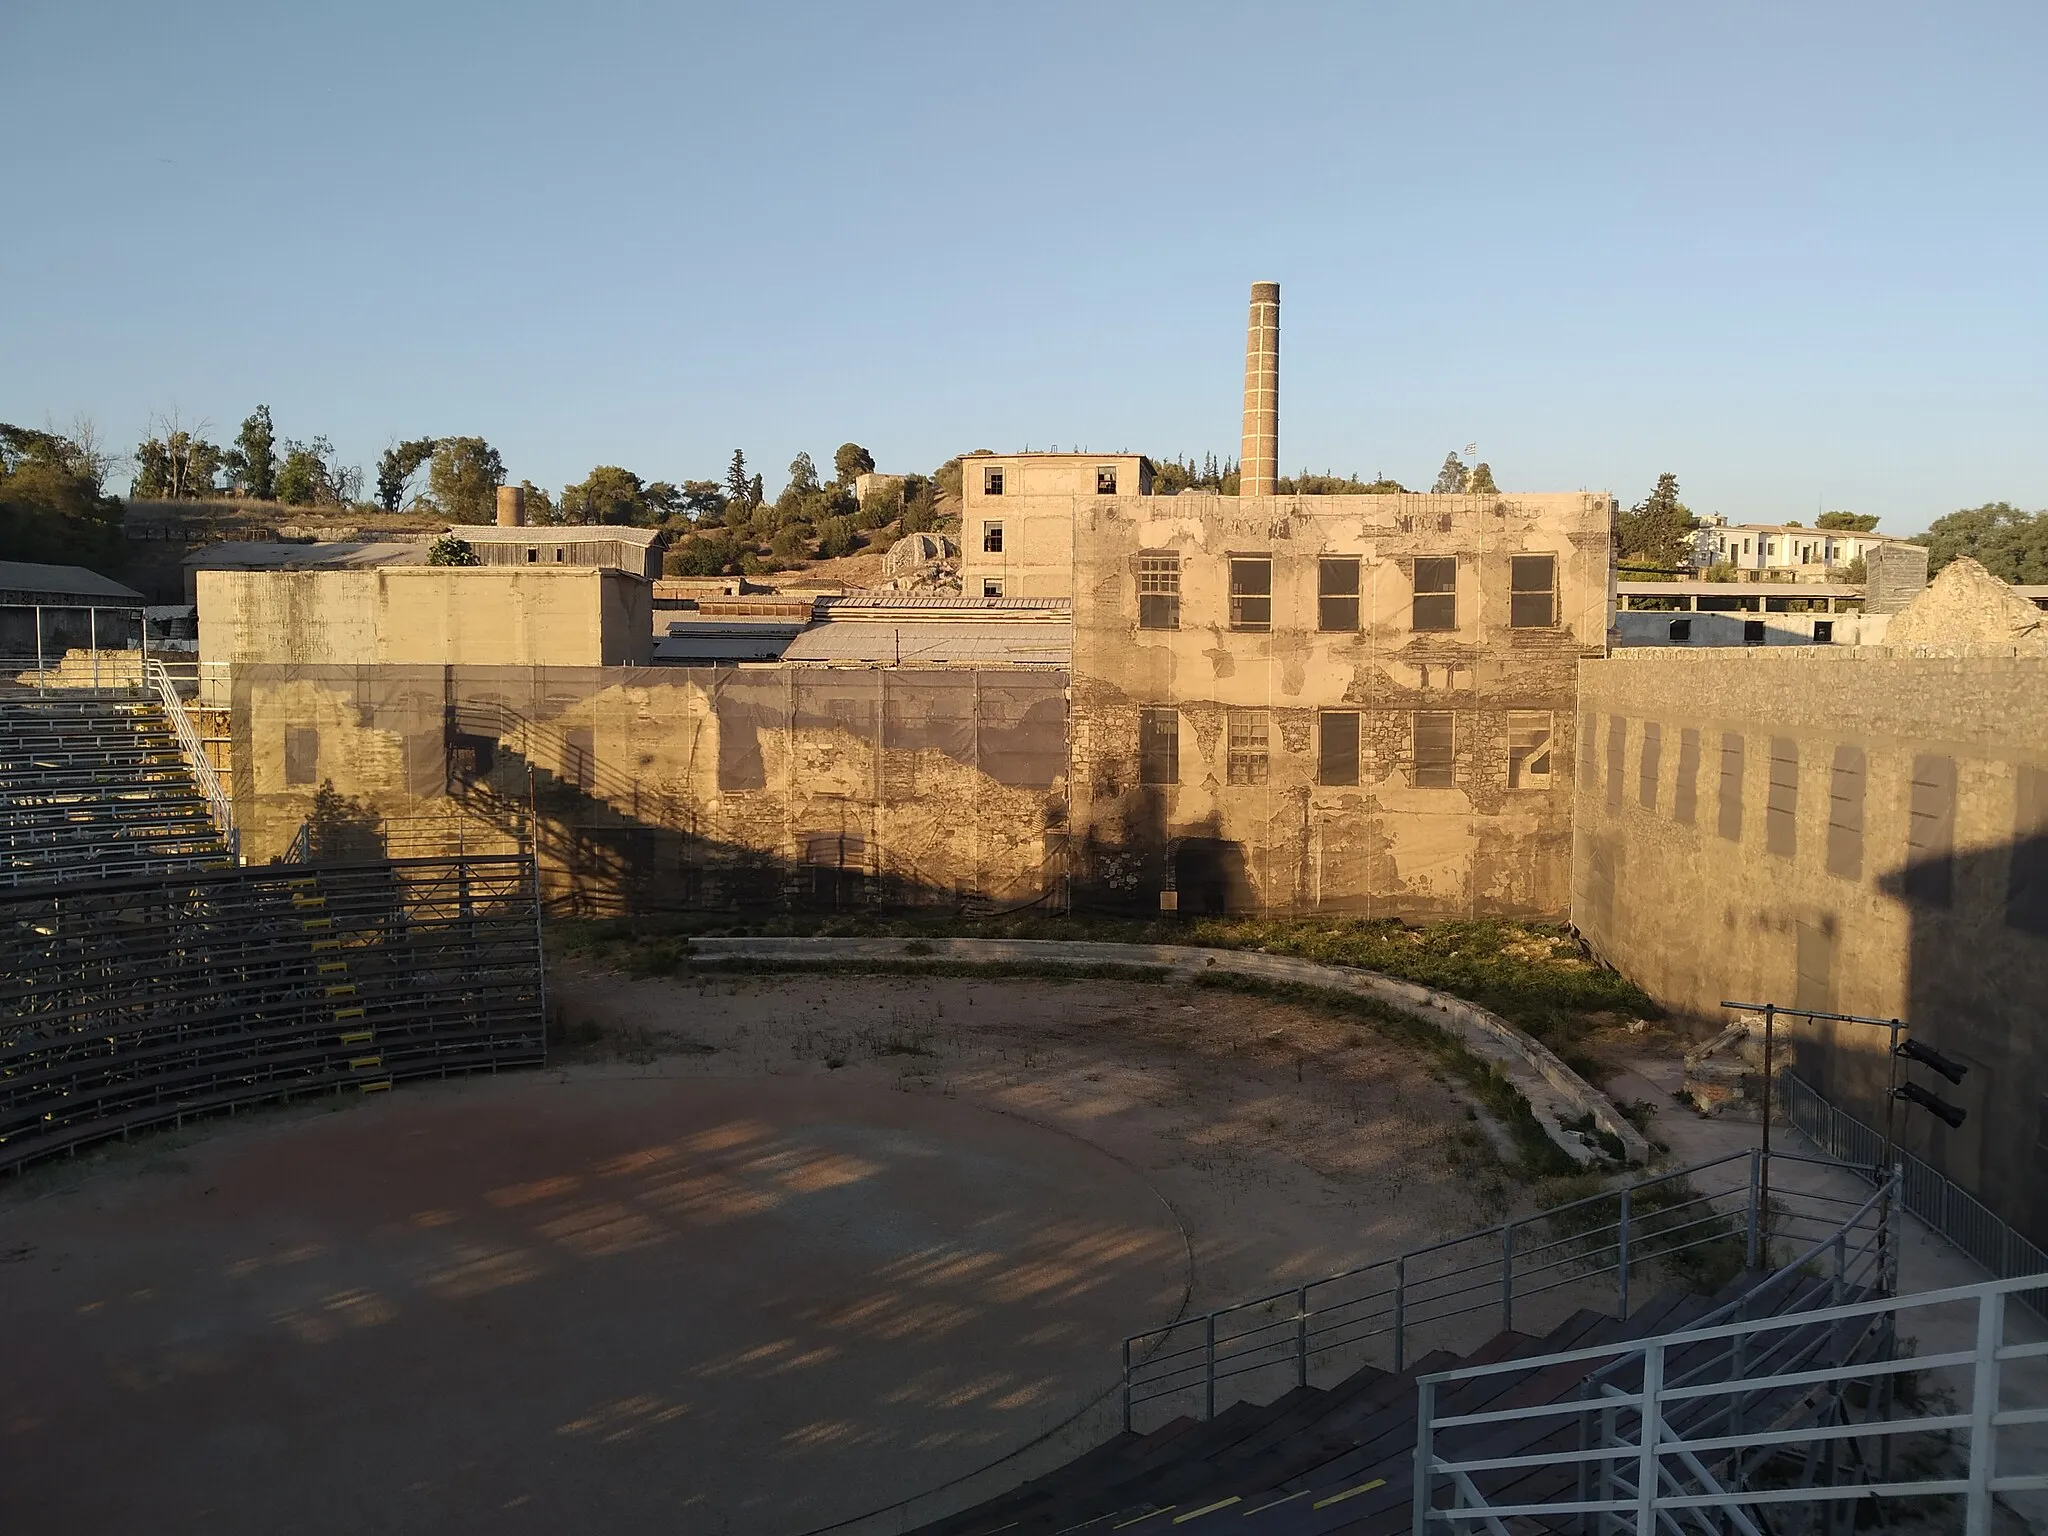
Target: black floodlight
(1928, 1056)
(1935, 1105)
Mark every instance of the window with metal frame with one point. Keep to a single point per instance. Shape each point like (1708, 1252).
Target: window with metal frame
(1436, 593)
(1436, 755)
(1158, 746)
(1337, 754)
(1245, 749)
(1105, 480)
(1158, 589)
(1337, 594)
(991, 538)
(992, 481)
(1532, 591)
(1251, 592)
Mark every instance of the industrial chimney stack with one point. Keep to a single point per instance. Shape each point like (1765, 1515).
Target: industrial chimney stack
(1258, 465)
(511, 506)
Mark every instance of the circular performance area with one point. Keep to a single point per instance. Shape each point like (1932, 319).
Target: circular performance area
(753, 1255)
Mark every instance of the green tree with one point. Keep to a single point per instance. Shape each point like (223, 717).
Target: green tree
(851, 461)
(256, 446)
(1382, 486)
(1452, 479)
(176, 464)
(2012, 545)
(1847, 522)
(792, 542)
(450, 550)
(1481, 483)
(740, 491)
(1654, 531)
(705, 554)
(608, 494)
(836, 537)
(396, 468)
(540, 507)
(311, 476)
(53, 502)
(463, 477)
(703, 500)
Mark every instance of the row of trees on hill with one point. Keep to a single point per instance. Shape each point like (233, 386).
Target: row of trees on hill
(54, 506)
(1170, 476)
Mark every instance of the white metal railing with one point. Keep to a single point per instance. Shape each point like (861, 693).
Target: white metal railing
(219, 806)
(1705, 1223)
(1924, 1192)
(1669, 1450)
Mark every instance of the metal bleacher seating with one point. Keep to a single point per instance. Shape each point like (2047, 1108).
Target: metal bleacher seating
(93, 786)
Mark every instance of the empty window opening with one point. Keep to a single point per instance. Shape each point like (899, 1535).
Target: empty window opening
(1617, 758)
(1158, 746)
(1337, 594)
(991, 538)
(1436, 593)
(1436, 756)
(1752, 631)
(533, 557)
(1685, 789)
(1251, 591)
(1105, 480)
(1781, 805)
(1845, 814)
(559, 554)
(1337, 747)
(1931, 832)
(1246, 751)
(1532, 591)
(992, 481)
(1529, 748)
(1730, 825)
(1823, 631)
(1681, 631)
(1652, 764)
(301, 755)
(1159, 590)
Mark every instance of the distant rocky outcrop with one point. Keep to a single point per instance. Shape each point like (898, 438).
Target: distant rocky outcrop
(923, 562)
(1967, 605)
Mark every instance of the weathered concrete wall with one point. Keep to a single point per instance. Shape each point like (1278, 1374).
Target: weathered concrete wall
(677, 786)
(1042, 496)
(1857, 831)
(1386, 845)
(443, 615)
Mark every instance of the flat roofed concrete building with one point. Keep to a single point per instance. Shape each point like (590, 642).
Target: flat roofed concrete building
(1018, 511)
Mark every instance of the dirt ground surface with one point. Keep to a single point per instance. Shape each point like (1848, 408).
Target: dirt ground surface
(757, 1254)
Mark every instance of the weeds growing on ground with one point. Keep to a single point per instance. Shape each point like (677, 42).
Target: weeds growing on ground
(1530, 974)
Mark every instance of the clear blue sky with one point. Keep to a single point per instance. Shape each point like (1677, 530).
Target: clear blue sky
(1793, 252)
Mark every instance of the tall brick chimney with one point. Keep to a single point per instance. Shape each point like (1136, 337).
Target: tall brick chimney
(511, 506)
(1259, 455)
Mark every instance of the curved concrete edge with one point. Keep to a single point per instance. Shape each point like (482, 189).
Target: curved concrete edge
(1554, 1091)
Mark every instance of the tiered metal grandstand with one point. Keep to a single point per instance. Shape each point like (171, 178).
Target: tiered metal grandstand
(146, 975)
(99, 782)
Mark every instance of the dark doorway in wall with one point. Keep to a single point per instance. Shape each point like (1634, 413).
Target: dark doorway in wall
(1211, 876)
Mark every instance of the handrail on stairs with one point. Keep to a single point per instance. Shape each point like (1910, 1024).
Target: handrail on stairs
(218, 805)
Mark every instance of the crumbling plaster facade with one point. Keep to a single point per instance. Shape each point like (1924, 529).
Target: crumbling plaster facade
(1856, 831)
(1232, 827)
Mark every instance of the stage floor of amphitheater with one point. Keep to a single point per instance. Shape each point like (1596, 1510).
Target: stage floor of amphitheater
(524, 1304)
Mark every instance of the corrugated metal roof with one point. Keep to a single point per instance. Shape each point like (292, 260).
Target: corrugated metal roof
(945, 643)
(913, 602)
(236, 555)
(28, 576)
(560, 533)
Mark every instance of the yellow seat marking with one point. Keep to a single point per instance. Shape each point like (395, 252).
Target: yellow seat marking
(1207, 1509)
(1350, 1493)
